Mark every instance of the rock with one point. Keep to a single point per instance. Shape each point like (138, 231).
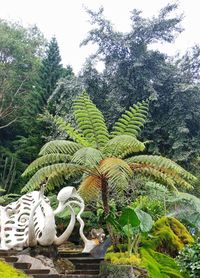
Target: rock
(108, 270)
(63, 266)
(40, 262)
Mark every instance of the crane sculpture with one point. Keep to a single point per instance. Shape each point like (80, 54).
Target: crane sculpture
(30, 221)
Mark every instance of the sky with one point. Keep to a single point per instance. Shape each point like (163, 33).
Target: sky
(69, 23)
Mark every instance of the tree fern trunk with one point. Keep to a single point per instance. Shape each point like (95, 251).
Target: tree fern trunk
(104, 195)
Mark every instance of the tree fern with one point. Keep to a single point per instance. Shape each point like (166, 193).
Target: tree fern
(122, 145)
(45, 160)
(164, 164)
(88, 157)
(72, 132)
(59, 169)
(60, 146)
(132, 120)
(117, 171)
(90, 188)
(90, 121)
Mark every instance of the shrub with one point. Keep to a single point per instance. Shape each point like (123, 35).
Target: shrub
(169, 236)
(123, 258)
(7, 271)
(189, 259)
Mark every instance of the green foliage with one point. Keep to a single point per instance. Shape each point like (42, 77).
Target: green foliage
(123, 258)
(159, 265)
(163, 170)
(123, 145)
(100, 156)
(153, 207)
(131, 121)
(169, 236)
(7, 271)
(135, 71)
(71, 132)
(131, 223)
(90, 121)
(189, 258)
(51, 69)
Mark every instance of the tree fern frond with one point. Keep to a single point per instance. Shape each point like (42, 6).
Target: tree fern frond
(72, 132)
(57, 179)
(88, 157)
(132, 120)
(122, 145)
(41, 175)
(90, 121)
(151, 173)
(60, 146)
(164, 164)
(90, 188)
(45, 160)
(117, 171)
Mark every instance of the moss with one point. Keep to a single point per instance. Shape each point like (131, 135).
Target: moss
(159, 265)
(7, 271)
(123, 258)
(169, 236)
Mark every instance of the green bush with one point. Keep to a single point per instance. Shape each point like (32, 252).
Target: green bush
(168, 236)
(189, 259)
(123, 258)
(7, 271)
(153, 207)
(159, 265)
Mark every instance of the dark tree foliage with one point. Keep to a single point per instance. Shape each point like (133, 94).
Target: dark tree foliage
(51, 69)
(134, 71)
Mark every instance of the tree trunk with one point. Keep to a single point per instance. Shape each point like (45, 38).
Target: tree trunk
(104, 195)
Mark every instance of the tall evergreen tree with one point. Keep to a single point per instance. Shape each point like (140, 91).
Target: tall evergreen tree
(51, 69)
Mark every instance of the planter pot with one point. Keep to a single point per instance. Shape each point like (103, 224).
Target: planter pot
(108, 270)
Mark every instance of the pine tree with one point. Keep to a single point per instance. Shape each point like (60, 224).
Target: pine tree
(51, 69)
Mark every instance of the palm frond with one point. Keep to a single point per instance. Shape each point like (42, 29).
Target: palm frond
(90, 188)
(132, 120)
(45, 160)
(60, 146)
(116, 171)
(88, 157)
(57, 169)
(163, 169)
(72, 132)
(122, 145)
(90, 121)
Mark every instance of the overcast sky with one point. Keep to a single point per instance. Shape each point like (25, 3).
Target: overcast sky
(67, 20)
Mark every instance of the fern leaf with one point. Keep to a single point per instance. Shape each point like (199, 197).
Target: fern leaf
(58, 169)
(90, 188)
(45, 160)
(162, 168)
(72, 132)
(57, 179)
(90, 121)
(116, 171)
(60, 146)
(122, 145)
(87, 157)
(164, 163)
(132, 120)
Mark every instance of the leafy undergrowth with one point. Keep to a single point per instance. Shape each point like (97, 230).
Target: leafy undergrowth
(7, 271)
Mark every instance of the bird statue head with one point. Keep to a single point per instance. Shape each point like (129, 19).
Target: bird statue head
(64, 196)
